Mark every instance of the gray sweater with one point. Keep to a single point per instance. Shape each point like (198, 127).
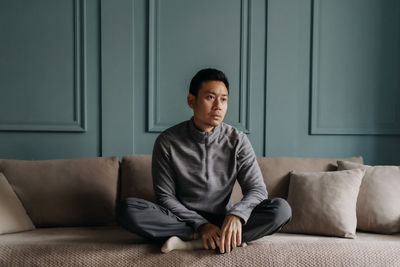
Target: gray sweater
(195, 171)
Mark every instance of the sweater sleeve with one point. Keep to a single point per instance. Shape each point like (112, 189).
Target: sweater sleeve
(164, 186)
(250, 179)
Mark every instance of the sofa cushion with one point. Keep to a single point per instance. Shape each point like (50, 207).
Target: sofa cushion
(65, 192)
(276, 170)
(113, 246)
(13, 217)
(136, 178)
(324, 203)
(378, 205)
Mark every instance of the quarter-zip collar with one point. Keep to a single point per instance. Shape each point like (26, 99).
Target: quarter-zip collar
(200, 136)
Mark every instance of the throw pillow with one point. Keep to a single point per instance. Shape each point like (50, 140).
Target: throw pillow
(13, 217)
(378, 205)
(324, 203)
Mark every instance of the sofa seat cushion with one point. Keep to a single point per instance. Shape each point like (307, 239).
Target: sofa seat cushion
(113, 246)
(65, 192)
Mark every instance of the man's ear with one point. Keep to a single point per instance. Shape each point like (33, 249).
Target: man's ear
(191, 100)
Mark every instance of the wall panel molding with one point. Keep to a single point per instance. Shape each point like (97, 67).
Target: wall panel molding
(388, 124)
(153, 119)
(79, 90)
(117, 78)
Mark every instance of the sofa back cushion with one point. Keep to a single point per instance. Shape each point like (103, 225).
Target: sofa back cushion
(136, 178)
(65, 192)
(378, 204)
(276, 170)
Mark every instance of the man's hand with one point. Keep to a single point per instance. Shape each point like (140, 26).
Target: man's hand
(231, 233)
(210, 234)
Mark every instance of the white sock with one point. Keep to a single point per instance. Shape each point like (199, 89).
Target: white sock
(243, 245)
(175, 242)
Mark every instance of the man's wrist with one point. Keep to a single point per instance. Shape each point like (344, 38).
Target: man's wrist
(201, 227)
(234, 215)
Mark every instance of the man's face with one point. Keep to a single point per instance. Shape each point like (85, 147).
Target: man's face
(210, 105)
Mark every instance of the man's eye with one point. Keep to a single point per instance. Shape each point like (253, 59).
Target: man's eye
(210, 97)
(224, 99)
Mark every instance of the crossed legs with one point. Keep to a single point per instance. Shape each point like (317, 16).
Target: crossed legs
(158, 224)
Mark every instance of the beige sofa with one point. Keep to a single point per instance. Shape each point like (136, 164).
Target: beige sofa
(72, 204)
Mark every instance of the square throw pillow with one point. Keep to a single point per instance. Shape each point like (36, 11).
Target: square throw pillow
(378, 204)
(13, 217)
(324, 203)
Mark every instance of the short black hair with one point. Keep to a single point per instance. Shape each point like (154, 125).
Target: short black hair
(207, 75)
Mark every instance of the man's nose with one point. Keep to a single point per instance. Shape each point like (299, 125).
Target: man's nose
(217, 104)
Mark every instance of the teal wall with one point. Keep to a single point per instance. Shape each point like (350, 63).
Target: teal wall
(97, 78)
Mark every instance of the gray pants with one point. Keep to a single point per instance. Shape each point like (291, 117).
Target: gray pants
(158, 223)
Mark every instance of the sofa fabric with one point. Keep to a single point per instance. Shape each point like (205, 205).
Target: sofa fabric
(324, 203)
(276, 170)
(114, 246)
(65, 192)
(13, 217)
(378, 205)
(136, 178)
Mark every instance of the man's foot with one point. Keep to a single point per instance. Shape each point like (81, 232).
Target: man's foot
(172, 243)
(175, 242)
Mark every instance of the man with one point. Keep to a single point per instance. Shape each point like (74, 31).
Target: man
(194, 166)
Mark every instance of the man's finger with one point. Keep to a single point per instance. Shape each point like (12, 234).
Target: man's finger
(205, 245)
(228, 242)
(217, 241)
(222, 243)
(211, 240)
(239, 237)
(234, 239)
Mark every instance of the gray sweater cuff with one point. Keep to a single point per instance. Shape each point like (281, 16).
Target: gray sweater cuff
(243, 217)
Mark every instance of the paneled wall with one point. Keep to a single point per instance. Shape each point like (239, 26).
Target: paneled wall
(326, 93)
(85, 78)
(49, 61)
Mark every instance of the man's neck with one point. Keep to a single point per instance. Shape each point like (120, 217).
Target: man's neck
(203, 129)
